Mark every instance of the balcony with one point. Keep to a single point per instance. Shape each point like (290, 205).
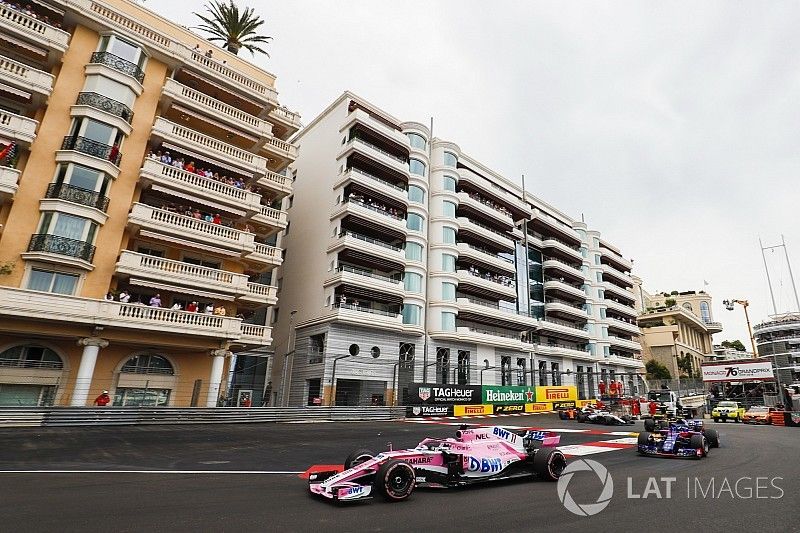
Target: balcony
(563, 327)
(551, 243)
(551, 263)
(119, 64)
(265, 255)
(274, 218)
(360, 116)
(259, 293)
(240, 82)
(280, 148)
(491, 310)
(379, 185)
(104, 103)
(9, 177)
(626, 344)
(520, 209)
(485, 232)
(289, 119)
(77, 195)
(213, 191)
(621, 325)
(368, 245)
(625, 294)
(21, 25)
(216, 109)
(485, 335)
(481, 205)
(256, 335)
(372, 318)
(617, 261)
(550, 227)
(213, 148)
(17, 127)
(489, 286)
(485, 257)
(21, 75)
(374, 153)
(364, 211)
(279, 185)
(621, 308)
(608, 270)
(213, 236)
(713, 327)
(564, 350)
(566, 308)
(53, 244)
(349, 275)
(556, 284)
(92, 148)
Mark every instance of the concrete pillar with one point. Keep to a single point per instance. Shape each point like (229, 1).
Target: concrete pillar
(215, 378)
(91, 349)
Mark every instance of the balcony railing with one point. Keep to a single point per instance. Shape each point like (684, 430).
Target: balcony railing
(42, 242)
(487, 228)
(370, 240)
(363, 309)
(376, 209)
(487, 252)
(570, 265)
(35, 79)
(104, 103)
(381, 150)
(367, 273)
(216, 107)
(564, 302)
(119, 64)
(77, 195)
(92, 148)
(565, 282)
(376, 178)
(22, 363)
(563, 323)
(32, 26)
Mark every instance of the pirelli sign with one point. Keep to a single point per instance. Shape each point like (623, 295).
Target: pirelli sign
(565, 393)
(472, 410)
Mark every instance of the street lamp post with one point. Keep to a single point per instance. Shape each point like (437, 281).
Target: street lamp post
(729, 305)
(289, 352)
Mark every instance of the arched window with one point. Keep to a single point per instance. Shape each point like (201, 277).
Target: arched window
(688, 307)
(148, 364)
(31, 356)
(705, 312)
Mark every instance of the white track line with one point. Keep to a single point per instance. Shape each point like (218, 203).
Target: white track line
(237, 472)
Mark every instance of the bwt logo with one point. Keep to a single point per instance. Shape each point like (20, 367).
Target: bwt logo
(355, 490)
(505, 434)
(557, 394)
(492, 464)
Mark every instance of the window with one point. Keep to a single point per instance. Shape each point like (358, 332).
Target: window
(275, 315)
(448, 209)
(122, 48)
(94, 130)
(442, 365)
(450, 160)
(82, 177)
(448, 263)
(596, 259)
(415, 222)
(556, 373)
(417, 141)
(448, 321)
(412, 314)
(588, 308)
(705, 312)
(375, 352)
(449, 183)
(543, 373)
(415, 166)
(592, 348)
(584, 252)
(603, 312)
(201, 262)
(505, 370)
(448, 235)
(413, 251)
(601, 294)
(448, 292)
(606, 351)
(67, 226)
(50, 281)
(412, 282)
(148, 364)
(110, 88)
(150, 251)
(605, 332)
(521, 377)
(416, 194)
(599, 277)
(31, 356)
(463, 367)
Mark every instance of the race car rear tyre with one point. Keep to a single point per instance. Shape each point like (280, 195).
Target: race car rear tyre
(549, 463)
(644, 438)
(712, 437)
(357, 457)
(699, 442)
(581, 417)
(649, 424)
(562, 415)
(395, 480)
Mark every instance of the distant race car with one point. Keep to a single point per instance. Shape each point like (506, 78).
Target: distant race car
(473, 456)
(758, 414)
(727, 410)
(681, 439)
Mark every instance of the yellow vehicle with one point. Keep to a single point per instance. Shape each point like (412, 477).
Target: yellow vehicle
(727, 410)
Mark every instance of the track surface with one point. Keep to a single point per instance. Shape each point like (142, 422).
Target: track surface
(227, 478)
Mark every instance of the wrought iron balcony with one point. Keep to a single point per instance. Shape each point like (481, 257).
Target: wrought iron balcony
(117, 63)
(104, 103)
(93, 148)
(42, 242)
(70, 193)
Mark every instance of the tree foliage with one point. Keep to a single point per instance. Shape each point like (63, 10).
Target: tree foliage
(237, 29)
(656, 370)
(735, 344)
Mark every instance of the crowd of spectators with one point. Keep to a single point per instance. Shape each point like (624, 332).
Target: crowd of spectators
(493, 205)
(369, 202)
(27, 9)
(508, 281)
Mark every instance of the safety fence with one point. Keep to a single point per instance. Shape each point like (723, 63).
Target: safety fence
(126, 416)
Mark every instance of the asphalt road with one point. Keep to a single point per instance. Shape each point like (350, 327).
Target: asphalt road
(229, 478)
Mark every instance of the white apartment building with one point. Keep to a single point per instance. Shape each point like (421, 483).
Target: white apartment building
(406, 262)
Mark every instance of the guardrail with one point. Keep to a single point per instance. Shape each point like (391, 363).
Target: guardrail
(132, 416)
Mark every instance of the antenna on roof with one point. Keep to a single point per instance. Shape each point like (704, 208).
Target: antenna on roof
(583, 219)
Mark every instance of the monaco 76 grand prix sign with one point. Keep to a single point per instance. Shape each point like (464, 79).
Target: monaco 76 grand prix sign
(736, 371)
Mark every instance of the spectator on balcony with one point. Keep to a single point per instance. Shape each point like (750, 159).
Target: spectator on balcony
(176, 307)
(189, 167)
(220, 311)
(210, 309)
(166, 158)
(155, 301)
(197, 214)
(109, 297)
(208, 218)
(342, 300)
(113, 154)
(217, 219)
(191, 307)
(124, 297)
(209, 53)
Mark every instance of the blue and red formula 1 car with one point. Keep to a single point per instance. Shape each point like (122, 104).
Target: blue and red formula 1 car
(473, 456)
(679, 439)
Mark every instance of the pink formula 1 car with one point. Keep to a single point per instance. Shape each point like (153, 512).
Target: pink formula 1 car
(474, 456)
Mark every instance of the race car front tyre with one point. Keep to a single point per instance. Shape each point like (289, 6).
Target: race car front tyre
(699, 442)
(581, 417)
(649, 424)
(712, 437)
(357, 457)
(562, 415)
(549, 463)
(395, 480)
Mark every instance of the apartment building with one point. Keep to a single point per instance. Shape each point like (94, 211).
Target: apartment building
(677, 329)
(144, 170)
(778, 339)
(410, 261)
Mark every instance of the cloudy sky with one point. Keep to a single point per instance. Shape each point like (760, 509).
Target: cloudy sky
(671, 126)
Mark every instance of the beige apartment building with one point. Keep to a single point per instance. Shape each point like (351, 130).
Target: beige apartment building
(408, 261)
(143, 168)
(677, 329)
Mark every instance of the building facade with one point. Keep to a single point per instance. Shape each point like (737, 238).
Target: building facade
(410, 261)
(677, 329)
(778, 339)
(140, 188)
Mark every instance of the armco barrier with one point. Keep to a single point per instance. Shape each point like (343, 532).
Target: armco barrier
(128, 416)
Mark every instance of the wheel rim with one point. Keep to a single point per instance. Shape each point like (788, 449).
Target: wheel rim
(557, 464)
(400, 480)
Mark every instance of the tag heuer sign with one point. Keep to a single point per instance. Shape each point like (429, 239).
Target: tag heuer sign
(432, 393)
(429, 410)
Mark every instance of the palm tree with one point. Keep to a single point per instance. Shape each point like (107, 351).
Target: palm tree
(236, 29)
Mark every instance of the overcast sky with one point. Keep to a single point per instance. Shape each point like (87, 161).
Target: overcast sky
(672, 126)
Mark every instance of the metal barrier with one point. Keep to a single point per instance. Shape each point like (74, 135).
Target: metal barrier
(127, 416)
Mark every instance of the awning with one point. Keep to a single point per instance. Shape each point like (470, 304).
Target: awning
(12, 90)
(197, 157)
(210, 120)
(184, 242)
(22, 44)
(223, 88)
(196, 199)
(180, 290)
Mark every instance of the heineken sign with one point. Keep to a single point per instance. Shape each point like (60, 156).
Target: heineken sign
(497, 394)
